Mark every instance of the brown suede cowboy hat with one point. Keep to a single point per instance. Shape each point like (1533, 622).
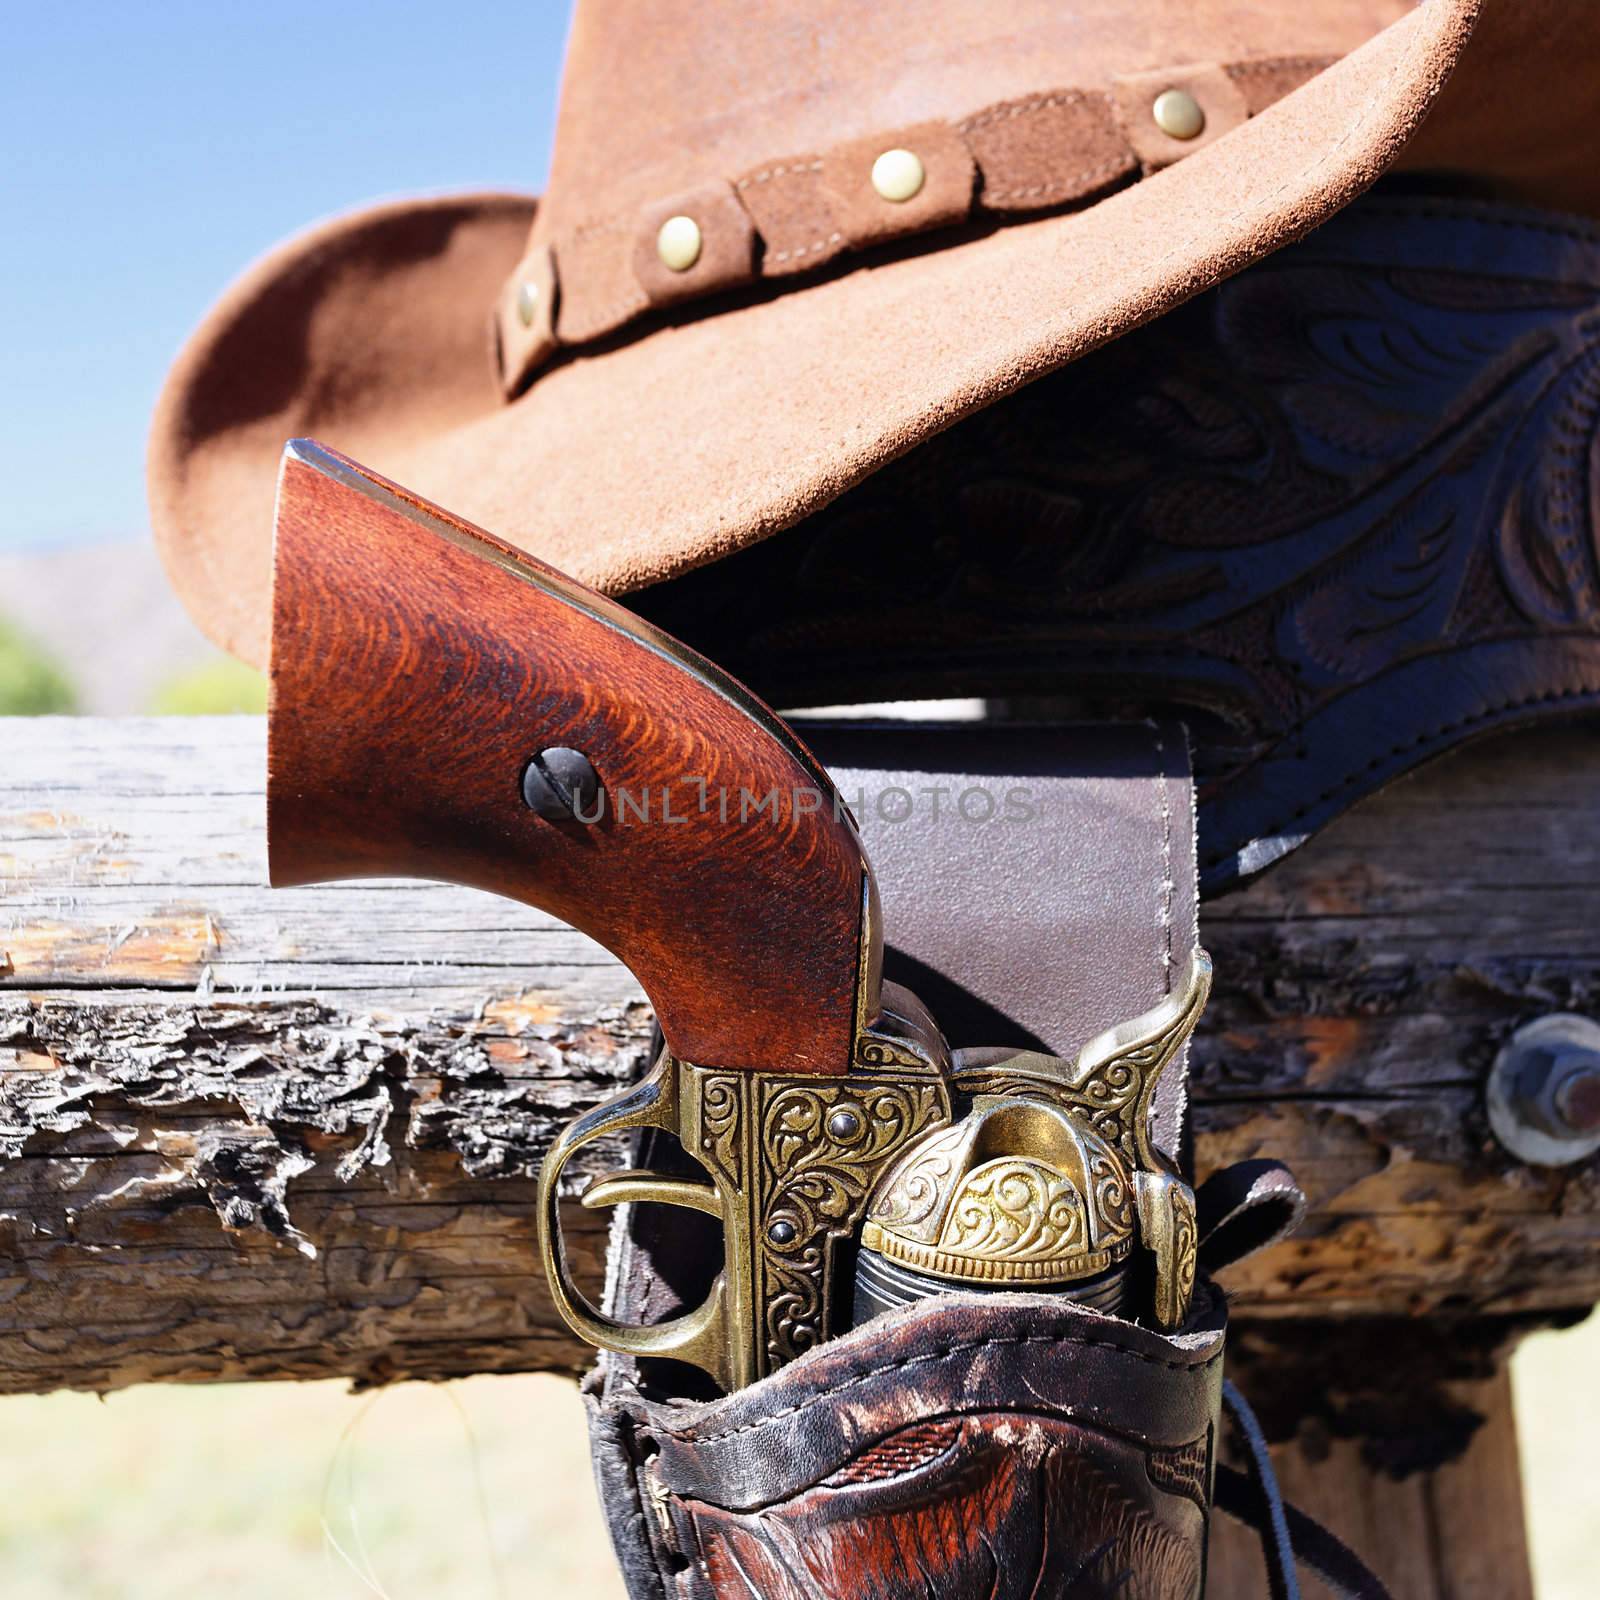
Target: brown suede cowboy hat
(783, 244)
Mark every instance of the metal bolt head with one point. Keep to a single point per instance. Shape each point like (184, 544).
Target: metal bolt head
(844, 1124)
(1577, 1094)
(1544, 1091)
(1178, 115)
(560, 784)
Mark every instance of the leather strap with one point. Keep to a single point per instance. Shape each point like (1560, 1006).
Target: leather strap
(1282, 1582)
(1036, 888)
(792, 215)
(1244, 1208)
(1287, 1534)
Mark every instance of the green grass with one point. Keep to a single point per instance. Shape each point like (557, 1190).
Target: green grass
(32, 684)
(219, 688)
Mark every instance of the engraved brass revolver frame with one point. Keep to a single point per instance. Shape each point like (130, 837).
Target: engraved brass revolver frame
(791, 1162)
(899, 1153)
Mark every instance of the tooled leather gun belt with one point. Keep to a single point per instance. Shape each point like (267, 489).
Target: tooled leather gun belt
(1339, 513)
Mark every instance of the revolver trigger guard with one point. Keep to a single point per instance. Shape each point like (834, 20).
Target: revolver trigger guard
(699, 1337)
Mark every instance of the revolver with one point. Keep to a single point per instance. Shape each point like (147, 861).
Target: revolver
(446, 706)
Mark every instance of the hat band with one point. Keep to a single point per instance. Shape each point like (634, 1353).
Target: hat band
(789, 217)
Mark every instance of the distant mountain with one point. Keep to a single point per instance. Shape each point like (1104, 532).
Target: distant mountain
(107, 617)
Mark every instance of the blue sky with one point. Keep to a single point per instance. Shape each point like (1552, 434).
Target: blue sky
(150, 149)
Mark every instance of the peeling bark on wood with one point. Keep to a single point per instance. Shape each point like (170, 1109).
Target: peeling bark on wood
(247, 1133)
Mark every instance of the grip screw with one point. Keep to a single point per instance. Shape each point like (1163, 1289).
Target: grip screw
(560, 783)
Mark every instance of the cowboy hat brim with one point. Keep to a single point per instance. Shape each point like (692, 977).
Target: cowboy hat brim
(629, 463)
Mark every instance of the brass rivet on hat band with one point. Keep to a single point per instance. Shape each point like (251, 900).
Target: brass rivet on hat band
(527, 303)
(678, 243)
(1178, 115)
(898, 175)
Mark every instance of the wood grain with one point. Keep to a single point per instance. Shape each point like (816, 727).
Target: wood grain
(419, 664)
(292, 1133)
(1454, 1533)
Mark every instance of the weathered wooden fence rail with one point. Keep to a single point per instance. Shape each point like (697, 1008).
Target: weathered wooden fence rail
(247, 1133)
(290, 1134)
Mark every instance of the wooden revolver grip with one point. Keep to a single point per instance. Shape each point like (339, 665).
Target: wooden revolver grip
(419, 664)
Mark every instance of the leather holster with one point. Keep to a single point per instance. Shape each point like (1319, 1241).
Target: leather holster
(1011, 1446)
(999, 1444)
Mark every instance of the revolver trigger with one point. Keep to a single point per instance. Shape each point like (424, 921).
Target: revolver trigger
(699, 1337)
(642, 1185)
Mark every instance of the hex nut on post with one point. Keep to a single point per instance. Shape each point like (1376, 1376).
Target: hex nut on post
(560, 785)
(1544, 1091)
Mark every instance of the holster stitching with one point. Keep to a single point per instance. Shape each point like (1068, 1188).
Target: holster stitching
(686, 1435)
(1484, 713)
